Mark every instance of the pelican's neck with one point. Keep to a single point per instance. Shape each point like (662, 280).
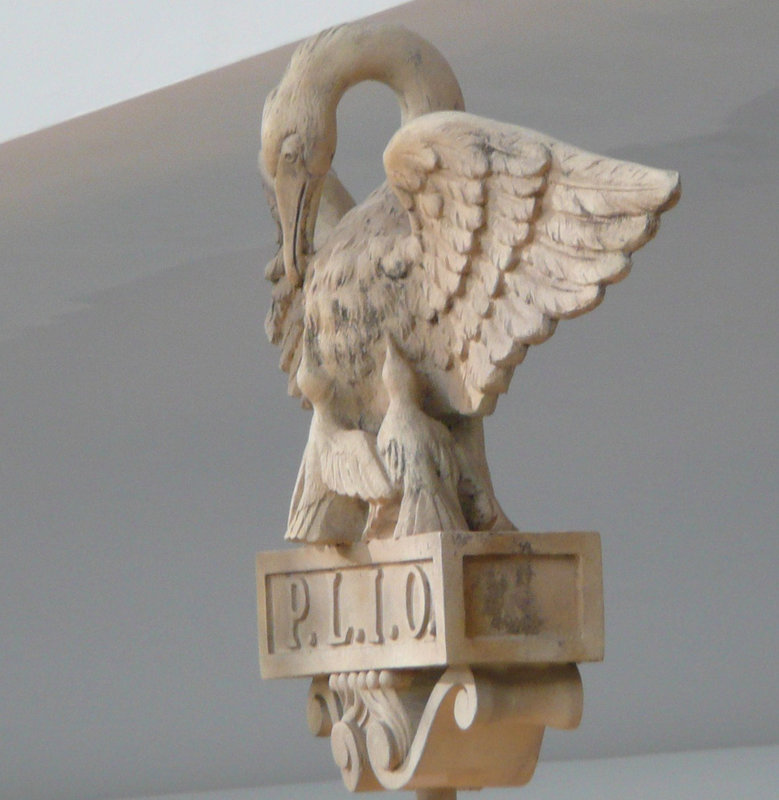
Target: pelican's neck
(419, 75)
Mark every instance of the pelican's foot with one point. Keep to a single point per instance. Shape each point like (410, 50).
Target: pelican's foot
(382, 519)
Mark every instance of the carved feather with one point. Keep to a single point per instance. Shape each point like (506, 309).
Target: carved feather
(284, 322)
(523, 320)
(616, 233)
(340, 470)
(556, 225)
(351, 466)
(494, 233)
(583, 268)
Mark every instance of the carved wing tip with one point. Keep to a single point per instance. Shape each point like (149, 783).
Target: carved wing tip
(588, 305)
(270, 326)
(274, 269)
(674, 191)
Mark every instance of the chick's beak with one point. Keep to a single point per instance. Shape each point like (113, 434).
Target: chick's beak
(297, 197)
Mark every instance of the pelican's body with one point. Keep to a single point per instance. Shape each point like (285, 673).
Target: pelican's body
(484, 235)
(354, 294)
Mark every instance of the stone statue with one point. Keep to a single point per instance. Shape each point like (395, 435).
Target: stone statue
(440, 641)
(404, 321)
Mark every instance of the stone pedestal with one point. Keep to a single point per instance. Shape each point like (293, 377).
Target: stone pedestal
(438, 659)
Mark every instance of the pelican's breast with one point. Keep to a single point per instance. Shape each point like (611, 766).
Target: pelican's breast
(355, 293)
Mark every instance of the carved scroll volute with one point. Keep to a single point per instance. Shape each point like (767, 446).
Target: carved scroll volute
(437, 748)
(380, 716)
(539, 695)
(336, 709)
(323, 708)
(347, 740)
(421, 729)
(426, 725)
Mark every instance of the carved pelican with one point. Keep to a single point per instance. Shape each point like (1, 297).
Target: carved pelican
(403, 324)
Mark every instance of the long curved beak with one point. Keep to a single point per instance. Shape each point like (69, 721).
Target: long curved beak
(297, 197)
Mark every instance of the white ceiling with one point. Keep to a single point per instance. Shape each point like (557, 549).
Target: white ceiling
(149, 448)
(59, 60)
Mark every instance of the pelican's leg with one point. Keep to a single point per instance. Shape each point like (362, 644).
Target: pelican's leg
(477, 495)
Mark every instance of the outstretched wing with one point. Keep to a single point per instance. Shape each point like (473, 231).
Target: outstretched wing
(512, 231)
(284, 321)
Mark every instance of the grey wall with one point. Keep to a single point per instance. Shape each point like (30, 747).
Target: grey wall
(149, 449)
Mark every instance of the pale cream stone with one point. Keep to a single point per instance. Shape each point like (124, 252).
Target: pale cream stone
(440, 641)
(430, 600)
(378, 624)
(401, 320)
(464, 727)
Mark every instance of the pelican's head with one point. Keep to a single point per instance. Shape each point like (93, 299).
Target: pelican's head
(298, 144)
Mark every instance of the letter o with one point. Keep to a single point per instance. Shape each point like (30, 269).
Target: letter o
(417, 601)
